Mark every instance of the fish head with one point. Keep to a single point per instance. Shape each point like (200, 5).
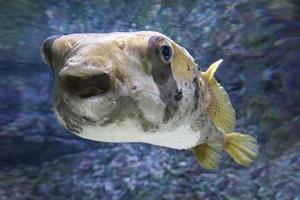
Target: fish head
(107, 78)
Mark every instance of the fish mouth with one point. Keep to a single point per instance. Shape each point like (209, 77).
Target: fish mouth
(87, 86)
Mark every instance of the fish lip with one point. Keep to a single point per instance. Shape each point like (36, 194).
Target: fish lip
(79, 71)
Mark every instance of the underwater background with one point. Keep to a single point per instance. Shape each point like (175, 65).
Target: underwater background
(259, 41)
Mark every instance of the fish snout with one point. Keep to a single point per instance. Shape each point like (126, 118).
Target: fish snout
(46, 49)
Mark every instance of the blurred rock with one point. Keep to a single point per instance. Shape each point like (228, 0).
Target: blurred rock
(147, 172)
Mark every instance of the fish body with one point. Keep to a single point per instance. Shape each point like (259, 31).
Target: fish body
(141, 87)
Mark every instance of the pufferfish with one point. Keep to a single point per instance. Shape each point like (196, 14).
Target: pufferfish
(143, 87)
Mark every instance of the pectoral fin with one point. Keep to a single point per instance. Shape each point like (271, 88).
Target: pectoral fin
(220, 109)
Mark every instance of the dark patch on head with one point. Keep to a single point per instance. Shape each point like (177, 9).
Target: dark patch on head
(164, 79)
(73, 121)
(47, 47)
(196, 92)
(127, 108)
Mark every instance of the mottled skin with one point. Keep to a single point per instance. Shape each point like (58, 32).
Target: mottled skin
(117, 87)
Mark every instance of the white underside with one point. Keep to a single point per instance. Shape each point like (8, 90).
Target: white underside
(128, 131)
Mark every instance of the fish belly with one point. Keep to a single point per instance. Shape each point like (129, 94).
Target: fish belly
(183, 137)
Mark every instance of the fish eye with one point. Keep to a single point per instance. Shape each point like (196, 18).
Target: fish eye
(166, 52)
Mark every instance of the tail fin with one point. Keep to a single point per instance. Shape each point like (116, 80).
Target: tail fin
(208, 155)
(242, 148)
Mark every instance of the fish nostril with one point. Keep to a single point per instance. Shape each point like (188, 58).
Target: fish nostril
(86, 87)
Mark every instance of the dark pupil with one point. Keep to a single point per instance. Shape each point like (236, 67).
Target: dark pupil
(166, 52)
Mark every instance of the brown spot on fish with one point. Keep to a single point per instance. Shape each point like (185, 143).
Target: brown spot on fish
(134, 87)
(188, 68)
(179, 95)
(196, 92)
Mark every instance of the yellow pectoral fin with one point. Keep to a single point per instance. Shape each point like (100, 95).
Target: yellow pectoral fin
(220, 109)
(208, 155)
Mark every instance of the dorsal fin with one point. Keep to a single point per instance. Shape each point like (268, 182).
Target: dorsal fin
(210, 72)
(220, 109)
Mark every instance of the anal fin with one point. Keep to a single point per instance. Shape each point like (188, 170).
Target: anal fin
(208, 155)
